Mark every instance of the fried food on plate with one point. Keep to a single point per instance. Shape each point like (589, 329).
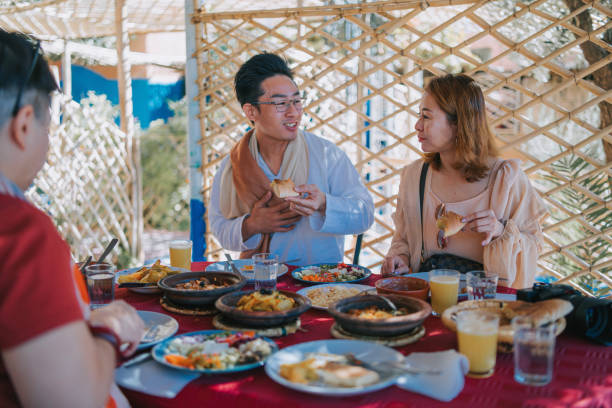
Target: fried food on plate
(148, 274)
(331, 369)
(265, 301)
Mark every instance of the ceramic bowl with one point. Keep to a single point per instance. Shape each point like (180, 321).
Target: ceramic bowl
(417, 312)
(404, 286)
(199, 297)
(227, 306)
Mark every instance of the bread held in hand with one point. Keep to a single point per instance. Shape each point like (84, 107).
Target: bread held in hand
(450, 223)
(284, 188)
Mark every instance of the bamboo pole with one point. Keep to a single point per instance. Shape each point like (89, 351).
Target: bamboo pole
(194, 135)
(124, 81)
(67, 70)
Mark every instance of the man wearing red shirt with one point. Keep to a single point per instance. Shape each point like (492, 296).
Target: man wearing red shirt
(54, 351)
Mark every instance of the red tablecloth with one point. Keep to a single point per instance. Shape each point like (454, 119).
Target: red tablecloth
(582, 372)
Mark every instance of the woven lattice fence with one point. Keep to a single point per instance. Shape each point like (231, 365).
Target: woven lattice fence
(362, 69)
(84, 184)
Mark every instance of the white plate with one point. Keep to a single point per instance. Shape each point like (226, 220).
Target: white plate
(305, 291)
(158, 327)
(240, 264)
(363, 350)
(146, 289)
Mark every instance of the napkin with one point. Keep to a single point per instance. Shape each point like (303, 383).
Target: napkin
(444, 386)
(154, 379)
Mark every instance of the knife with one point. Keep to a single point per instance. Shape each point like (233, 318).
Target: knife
(390, 368)
(230, 261)
(137, 285)
(136, 360)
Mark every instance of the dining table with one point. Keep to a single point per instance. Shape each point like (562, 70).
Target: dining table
(582, 375)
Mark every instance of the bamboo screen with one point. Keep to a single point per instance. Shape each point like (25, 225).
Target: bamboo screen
(362, 68)
(83, 185)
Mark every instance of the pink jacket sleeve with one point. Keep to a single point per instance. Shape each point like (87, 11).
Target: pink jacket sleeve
(514, 254)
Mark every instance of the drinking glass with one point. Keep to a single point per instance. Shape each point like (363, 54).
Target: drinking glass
(481, 285)
(534, 352)
(100, 284)
(265, 266)
(180, 254)
(477, 338)
(444, 285)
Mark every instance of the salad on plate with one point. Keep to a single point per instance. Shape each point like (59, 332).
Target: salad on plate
(214, 351)
(331, 272)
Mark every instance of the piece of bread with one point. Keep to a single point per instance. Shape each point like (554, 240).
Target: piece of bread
(450, 223)
(284, 188)
(539, 313)
(344, 375)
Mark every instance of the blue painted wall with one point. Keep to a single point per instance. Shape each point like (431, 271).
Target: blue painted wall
(150, 99)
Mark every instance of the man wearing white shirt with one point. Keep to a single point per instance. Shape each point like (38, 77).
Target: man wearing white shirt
(246, 216)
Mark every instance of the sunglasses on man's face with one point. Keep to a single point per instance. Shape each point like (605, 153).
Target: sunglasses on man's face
(22, 86)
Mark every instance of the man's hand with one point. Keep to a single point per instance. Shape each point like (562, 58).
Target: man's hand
(315, 200)
(485, 222)
(395, 265)
(264, 219)
(123, 320)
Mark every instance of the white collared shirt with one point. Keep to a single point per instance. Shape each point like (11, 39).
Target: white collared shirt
(318, 238)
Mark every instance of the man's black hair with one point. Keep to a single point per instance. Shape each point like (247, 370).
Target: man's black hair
(252, 73)
(17, 52)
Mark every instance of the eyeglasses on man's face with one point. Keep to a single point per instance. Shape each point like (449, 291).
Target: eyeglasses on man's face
(283, 105)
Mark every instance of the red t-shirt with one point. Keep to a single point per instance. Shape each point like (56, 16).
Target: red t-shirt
(37, 289)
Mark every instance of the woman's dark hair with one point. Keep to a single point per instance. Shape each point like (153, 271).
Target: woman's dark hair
(252, 73)
(460, 97)
(18, 52)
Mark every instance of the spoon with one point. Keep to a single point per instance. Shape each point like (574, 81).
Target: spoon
(87, 262)
(390, 303)
(108, 249)
(387, 301)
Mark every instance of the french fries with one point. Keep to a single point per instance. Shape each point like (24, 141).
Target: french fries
(258, 302)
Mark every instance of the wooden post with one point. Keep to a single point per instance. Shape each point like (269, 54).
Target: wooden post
(197, 208)
(67, 70)
(124, 81)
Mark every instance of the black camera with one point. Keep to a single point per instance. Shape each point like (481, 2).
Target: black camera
(591, 317)
(543, 291)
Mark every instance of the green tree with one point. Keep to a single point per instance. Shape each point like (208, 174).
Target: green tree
(165, 171)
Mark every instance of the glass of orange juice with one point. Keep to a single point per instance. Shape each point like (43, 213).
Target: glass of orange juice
(180, 254)
(477, 338)
(444, 285)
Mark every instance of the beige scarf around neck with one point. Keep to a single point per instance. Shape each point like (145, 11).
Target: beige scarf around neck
(243, 182)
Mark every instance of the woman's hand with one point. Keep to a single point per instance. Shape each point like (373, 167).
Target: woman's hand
(485, 222)
(395, 265)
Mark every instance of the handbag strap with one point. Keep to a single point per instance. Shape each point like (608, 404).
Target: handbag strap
(421, 198)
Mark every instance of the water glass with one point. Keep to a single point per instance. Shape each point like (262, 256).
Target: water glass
(180, 254)
(265, 266)
(100, 284)
(477, 338)
(534, 352)
(444, 285)
(481, 285)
